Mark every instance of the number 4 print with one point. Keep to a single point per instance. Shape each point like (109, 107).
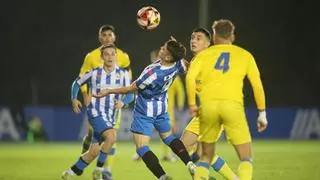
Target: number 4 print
(223, 62)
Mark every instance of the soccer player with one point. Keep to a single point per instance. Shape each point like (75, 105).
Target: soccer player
(102, 112)
(93, 60)
(200, 40)
(221, 69)
(150, 110)
(176, 98)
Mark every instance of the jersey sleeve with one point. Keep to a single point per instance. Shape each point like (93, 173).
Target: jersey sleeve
(146, 78)
(253, 75)
(83, 79)
(86, 66)
(193, 72)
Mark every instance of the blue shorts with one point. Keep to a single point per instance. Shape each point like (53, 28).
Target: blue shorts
(143, 124)
(99, 125)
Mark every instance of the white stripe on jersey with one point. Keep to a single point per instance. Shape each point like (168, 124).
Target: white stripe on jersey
(149, 109)
(159, 110)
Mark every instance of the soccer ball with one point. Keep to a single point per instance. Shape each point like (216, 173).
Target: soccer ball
(148, 17)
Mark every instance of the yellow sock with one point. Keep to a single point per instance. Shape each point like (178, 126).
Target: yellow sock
(202, 171)
(221, 167)
(245, 170)
(110, 158)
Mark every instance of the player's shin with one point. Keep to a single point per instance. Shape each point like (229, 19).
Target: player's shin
(151, 161)
(220, 166)
(178, 148)
(109, 162)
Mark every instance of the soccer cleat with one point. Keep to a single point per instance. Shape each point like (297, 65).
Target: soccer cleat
(97, 174)
(106, 174)
(66, 175)
(165, 177)
(191, 167)
(136, 157)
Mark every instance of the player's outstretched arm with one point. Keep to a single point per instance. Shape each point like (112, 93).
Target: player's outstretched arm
(123, 90)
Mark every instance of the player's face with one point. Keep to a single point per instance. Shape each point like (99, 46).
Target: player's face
(164, 54)
(109, 56)
(198, 42)
(107, 37)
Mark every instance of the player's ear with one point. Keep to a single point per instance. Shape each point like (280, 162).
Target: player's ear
(233, 38)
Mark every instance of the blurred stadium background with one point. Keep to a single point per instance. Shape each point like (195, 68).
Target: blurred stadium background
(44, 44)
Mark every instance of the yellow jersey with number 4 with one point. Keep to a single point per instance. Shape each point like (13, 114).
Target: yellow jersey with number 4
(221, 70)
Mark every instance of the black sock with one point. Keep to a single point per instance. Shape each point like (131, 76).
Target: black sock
(180, 150)
(152, 162)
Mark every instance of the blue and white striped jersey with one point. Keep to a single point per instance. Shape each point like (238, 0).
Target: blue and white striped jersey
(98, 80)
(153, 85)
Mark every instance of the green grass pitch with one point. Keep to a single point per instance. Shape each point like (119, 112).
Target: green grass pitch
(274, 160)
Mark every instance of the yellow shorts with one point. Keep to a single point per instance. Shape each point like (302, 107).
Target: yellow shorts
(194, 126)
(215, 114)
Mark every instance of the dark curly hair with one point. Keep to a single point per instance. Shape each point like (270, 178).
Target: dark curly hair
(177, 50)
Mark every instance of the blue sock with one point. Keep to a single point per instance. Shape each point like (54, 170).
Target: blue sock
(195, 157)
(101, 159)
(79, 166)
(217, 165)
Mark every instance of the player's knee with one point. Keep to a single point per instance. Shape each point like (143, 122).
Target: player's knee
(168, 140)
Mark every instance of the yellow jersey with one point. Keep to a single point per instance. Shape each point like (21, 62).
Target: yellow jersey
(221, 70)
(93, 60)
(175, 94)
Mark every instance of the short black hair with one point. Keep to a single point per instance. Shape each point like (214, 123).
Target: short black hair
(108, 46)
(107, 27)
(205, 31)
(177, 50)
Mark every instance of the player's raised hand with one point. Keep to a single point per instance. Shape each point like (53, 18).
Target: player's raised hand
(102, 93)
(262, 121)
(76, 106)
(193, 110)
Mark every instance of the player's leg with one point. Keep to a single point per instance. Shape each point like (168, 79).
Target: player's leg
(111, 154)
(85, 159)
(189, 138)
(237, 129)
(109, 136)
(86, 141)
(210, 127)
(162, 125)
(221, 167)
(141, 128)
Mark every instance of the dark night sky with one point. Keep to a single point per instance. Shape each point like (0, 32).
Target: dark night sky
(44, 43)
